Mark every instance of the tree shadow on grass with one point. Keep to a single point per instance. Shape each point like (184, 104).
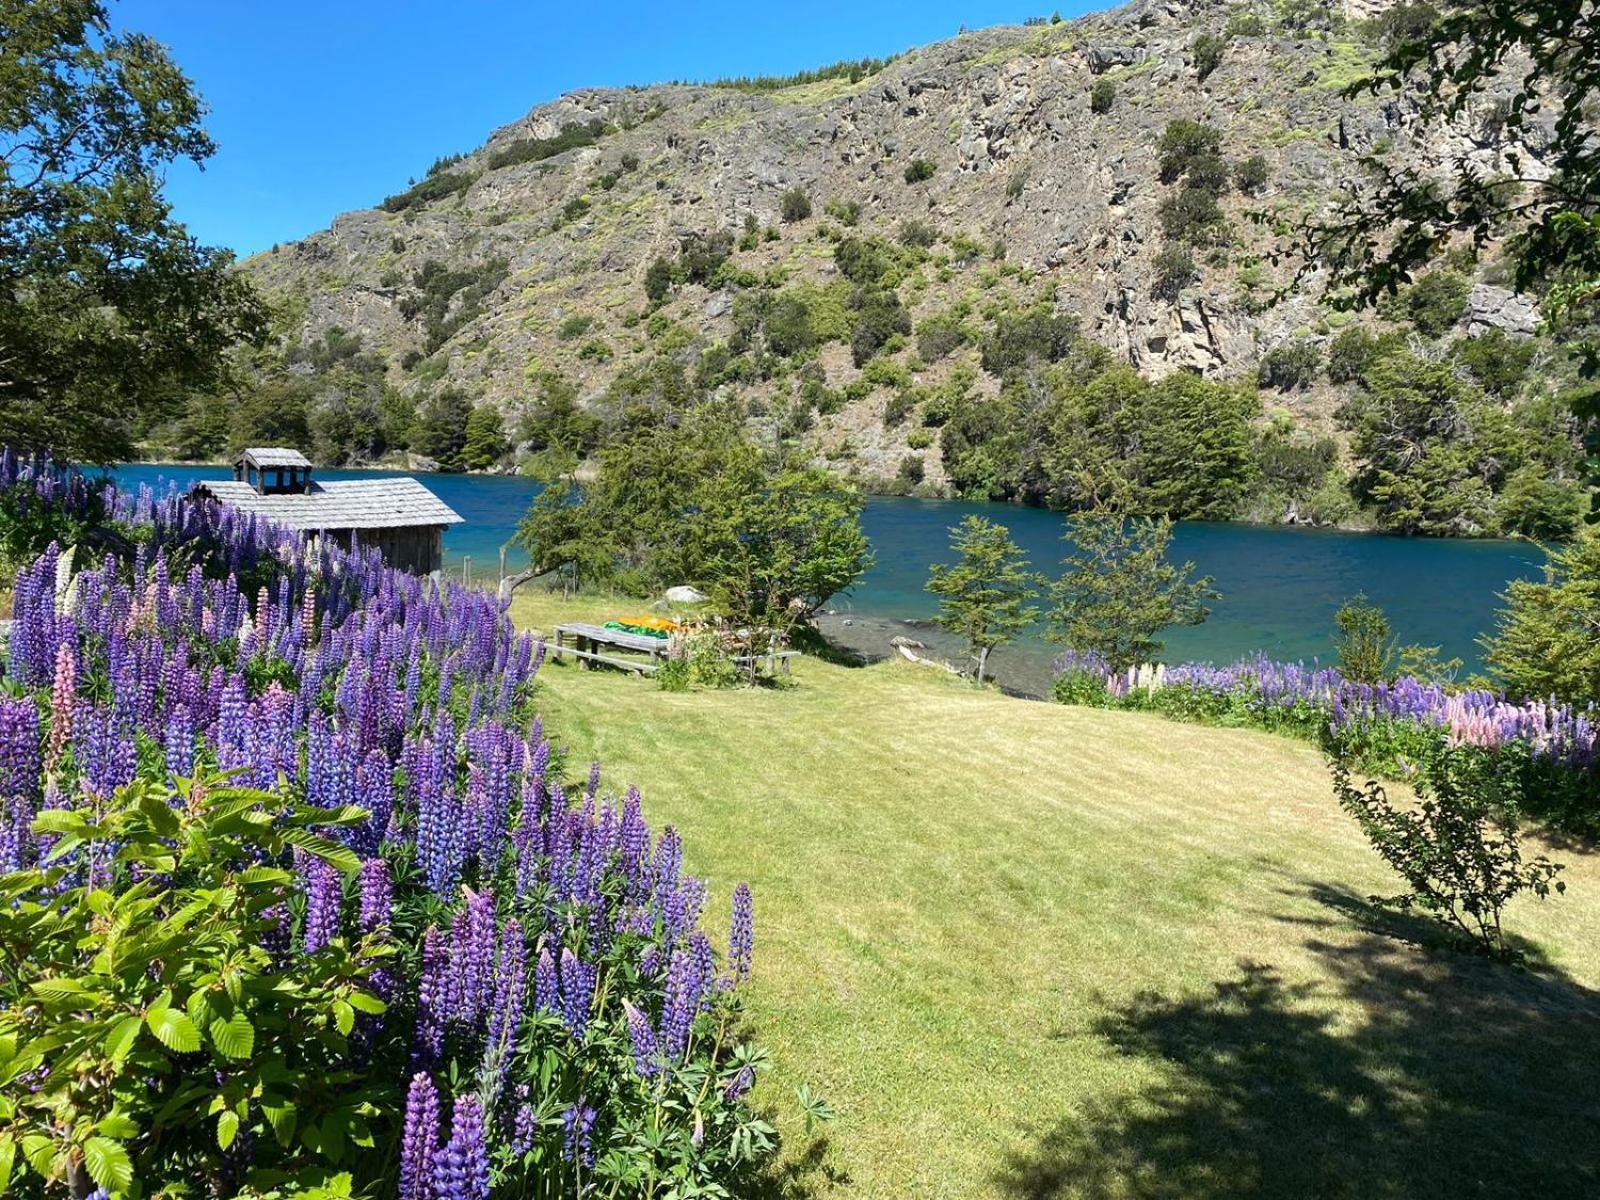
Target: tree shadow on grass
(799, 1176)
(1409, 1072)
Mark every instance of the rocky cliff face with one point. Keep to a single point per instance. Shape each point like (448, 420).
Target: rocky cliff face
(551, 254)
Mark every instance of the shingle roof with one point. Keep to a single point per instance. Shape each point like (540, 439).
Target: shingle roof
(340, 504)
(275, 456)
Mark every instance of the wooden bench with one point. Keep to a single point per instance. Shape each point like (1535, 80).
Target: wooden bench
(589, 641)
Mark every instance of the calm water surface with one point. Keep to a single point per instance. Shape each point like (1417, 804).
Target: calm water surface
(1280, 586)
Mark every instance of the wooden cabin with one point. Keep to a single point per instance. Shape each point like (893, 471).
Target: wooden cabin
(403, 519)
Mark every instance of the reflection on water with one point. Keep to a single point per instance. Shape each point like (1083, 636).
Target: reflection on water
(1280, 587)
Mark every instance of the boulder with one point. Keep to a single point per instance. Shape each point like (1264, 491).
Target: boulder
(683, 594)
(1490, 307)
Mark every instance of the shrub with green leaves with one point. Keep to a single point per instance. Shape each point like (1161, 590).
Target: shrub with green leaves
(1457, 847)
(1293, 366)
(920, 169)
(1102, 96)
(147, 1015)
(794, 205)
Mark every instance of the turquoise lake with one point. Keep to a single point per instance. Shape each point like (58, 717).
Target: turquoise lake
(1280, 586)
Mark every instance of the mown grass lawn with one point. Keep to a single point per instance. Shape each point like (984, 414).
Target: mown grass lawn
(1029, 950)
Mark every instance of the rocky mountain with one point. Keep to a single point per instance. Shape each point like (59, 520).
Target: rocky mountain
(1027, 156)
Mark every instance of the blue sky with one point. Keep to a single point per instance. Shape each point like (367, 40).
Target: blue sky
(322, 107)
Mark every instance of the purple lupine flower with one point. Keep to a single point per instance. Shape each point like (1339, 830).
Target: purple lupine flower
(524, 1129)
(510, 992)
(682, 1002)
(322, 890)
(578, 1121)
(433, 997)
(740, 1084)
(741, 936)
(419, 1143)
(646, 1052)
(179, 742)
(472, 952)
(546, 988)
(376, 895)
(577, 992)
(461, 1167)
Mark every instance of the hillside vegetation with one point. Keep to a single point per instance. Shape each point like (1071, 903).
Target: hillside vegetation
(1034, 262)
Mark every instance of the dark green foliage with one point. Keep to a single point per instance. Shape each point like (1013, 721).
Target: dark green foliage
(879, 315)
(1547, 640)
(441, 428)
(110, 313)
(184, 998)
(701, 255)
(911, 472)
(1457, 847)
(863, 260)
(1404, 22)
(447, 298)
(794, 205)
(485, 443)
(430, 191)
(920, 234)
(1436, 457)
(1207, 54)
(659, 277)
(1118, 590)
(1366, 641)
(986, 597)
(1350, 353)
(1175, 270)
(1292, 366)
(1251, 174)
(1498, 362)
(529, 150)
(1193, 216)
(574, 327)
(555, 419)
(1293, 466)
(1102, 96)
(1181, 142)
(1434, 303)
(1027, 339)
(852, 70)
(788, 326)
(939, 336)
(920, 169)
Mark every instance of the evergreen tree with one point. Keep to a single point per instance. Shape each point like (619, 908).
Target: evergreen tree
(1548, 639)
(985, 597)
(486, 438)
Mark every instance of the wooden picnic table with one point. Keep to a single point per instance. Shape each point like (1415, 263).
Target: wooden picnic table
(589, 641)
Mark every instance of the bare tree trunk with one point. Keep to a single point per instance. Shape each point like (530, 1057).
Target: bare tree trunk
(510, 583)
(983, 661)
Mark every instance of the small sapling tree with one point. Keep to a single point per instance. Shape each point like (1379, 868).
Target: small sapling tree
(985, 597)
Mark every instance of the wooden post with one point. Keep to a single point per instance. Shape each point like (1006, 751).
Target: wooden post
(501, 582)
(466, 570)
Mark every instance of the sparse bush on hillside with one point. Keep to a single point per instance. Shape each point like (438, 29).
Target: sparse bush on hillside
(863, 261)
(702, 254)
(879, 315)
(920, 169)
(1433, 304)
(1252, 174)
(1349, 354)
(1293, 366)
(920, 234)
(1182, 141)
(1193, 216)
(938, 336)
(794, 205)
(1102, 96)
(431, 190)
(788, 326)
(1498, 361)
(1207, 52)
(659, 277)
(846, 212)
(1175, 270)
(574, 327)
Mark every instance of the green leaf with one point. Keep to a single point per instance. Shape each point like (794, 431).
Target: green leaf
(118, 1125)
(330, 852)
(227, 1128)
(282, 1118)
(368, 1003)
(174, 1030)
(40, 1152)
(121, 1038)
(8, 1159)
(235, 1037)
(344, 1017)
(108, 1164)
